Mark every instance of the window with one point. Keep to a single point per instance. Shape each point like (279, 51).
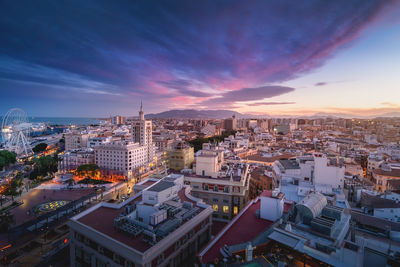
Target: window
(206, 187)
(216, 188)
(215, 207)
(226, 209)
(226, 189)
(215, 199)
(235, 210)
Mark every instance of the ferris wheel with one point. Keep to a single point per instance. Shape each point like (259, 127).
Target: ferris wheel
(15, 130)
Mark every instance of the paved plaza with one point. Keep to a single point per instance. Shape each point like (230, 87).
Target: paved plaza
(23, 213)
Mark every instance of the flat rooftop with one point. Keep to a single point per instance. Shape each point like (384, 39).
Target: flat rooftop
(289, 164)
(102, 220)
(223, 178)
(161, 186)
(260, 158)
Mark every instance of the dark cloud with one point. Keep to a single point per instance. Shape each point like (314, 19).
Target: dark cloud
(171, 50)
(320, 84)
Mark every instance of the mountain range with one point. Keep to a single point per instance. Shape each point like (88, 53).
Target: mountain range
(223, 114)
(194, 114)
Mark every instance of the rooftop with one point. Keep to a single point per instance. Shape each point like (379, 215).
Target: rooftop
(119, 222)
(237, 231)
(161, 186)
(106, 224)
(289, 164)
(392, 173)
(261, 158)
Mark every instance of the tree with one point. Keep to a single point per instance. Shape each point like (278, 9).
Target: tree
(198, 142)
(44, 166)
(7, 158)
(2, 163)
(10, 189)
(39, 148)
(88, 170)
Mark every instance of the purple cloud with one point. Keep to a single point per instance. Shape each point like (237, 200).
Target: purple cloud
(247, 94)
(175, 52)
(271, 103)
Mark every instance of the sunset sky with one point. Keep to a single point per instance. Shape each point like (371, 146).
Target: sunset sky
(100, 58)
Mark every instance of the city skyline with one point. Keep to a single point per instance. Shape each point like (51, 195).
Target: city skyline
(96, 59)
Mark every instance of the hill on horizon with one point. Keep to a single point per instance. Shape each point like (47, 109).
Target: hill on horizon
(195, 114)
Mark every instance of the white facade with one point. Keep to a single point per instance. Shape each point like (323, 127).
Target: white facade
(156, 195)
(271, 207)
(126, 156)
(123, 156)
(142, 134)
(208, 163)
(76, 140)
(327, 174)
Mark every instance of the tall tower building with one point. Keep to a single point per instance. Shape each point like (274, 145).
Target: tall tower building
(142, 134)
(231, 123)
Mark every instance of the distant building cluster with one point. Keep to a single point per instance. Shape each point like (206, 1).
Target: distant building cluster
(272, 191)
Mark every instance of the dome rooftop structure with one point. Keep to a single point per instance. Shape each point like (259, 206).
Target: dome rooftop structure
(311, 206)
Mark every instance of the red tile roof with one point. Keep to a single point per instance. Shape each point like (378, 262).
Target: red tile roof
(266, 193)
(392, 173)
(245, 228)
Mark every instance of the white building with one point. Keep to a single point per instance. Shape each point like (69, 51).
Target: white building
(122, 156)
(142, 134)
(97, 141)
(327, 172)
(317, 169)
(71, 160)
(163, 225)
(76, 140)
(125, 156)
